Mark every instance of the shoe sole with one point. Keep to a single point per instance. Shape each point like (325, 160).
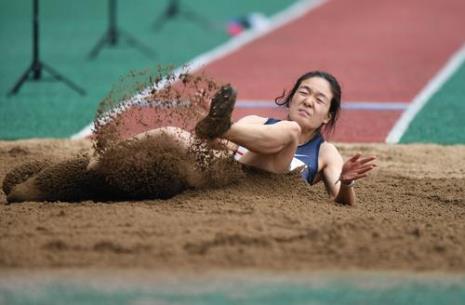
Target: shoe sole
(218, 120)
(223, 102)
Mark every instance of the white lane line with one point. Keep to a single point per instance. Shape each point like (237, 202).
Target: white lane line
(83, 133)
(288, 15)
(424, 95)
(345, 105)
(282, 18)
(264, 104)
(268, 104)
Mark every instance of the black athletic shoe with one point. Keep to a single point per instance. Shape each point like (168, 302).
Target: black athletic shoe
(218, 120)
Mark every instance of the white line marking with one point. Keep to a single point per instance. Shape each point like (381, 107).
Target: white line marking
(425, 94)
(85, 132)
(288, 15)
(269, 104)
(292, 13)
(375, 105)
(345, 105)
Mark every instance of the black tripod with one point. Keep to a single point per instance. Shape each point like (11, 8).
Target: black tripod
(113, 34)
(174, 10)
(37, 65)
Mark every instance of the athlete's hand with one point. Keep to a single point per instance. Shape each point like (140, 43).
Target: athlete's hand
(356, 168)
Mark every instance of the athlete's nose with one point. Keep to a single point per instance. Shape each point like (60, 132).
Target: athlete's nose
(309, 101)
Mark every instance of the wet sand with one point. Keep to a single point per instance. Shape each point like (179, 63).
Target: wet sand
(410, 216)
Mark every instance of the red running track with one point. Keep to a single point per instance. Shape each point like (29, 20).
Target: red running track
(381, 51)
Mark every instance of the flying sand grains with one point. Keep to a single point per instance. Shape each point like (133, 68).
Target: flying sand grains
(157, 167)
(181, 101)
(160, 167)
(141, 168)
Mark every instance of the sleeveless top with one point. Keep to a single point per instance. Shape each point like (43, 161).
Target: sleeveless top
(307, 153)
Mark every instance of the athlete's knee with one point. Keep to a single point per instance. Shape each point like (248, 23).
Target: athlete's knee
(168, 133)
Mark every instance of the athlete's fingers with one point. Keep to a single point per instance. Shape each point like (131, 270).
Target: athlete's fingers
(364, 170)
(368, 159)
(362, 167)
(360, 176)
(355, 157)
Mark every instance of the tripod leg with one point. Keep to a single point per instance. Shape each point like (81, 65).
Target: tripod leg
(60, 77)
(98, 46)
(171, 11)
(147, 51)
(159, 22)
(20, 81)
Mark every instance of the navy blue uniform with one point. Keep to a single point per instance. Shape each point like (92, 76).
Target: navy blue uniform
(307, 153)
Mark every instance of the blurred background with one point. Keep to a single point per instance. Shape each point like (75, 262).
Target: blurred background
(70, 30)
(400, 63)
(402, 67)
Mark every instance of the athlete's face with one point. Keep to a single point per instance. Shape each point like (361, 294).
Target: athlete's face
(309, 106)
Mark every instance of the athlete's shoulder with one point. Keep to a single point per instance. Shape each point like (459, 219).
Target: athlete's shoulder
(253, 119)
(328, 146)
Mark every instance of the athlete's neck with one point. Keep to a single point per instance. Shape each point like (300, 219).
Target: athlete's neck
(306, 136)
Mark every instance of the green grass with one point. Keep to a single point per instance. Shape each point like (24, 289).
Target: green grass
(442, 119)
(375, 289)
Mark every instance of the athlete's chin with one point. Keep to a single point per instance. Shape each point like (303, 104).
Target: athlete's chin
(303, 122)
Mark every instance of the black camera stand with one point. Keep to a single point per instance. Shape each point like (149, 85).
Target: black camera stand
(36, 67)
(113, 35)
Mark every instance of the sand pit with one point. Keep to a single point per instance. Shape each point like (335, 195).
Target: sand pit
(410, 216)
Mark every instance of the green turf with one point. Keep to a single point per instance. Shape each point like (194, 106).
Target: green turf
(375, 289)
(70, 29)
(442, 119)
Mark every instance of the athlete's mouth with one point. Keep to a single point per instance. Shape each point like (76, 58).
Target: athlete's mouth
(304, 112)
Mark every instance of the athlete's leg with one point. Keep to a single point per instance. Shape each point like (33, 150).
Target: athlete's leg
(167, 135)
(25, 191)
(21, 173)
(173, 138)
(272, 147)
(174, 135)
(63, 180)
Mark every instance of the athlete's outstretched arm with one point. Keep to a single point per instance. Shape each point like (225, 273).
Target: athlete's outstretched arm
(339, 176)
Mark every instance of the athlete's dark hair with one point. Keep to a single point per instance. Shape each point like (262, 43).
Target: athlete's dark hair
(336, 91)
